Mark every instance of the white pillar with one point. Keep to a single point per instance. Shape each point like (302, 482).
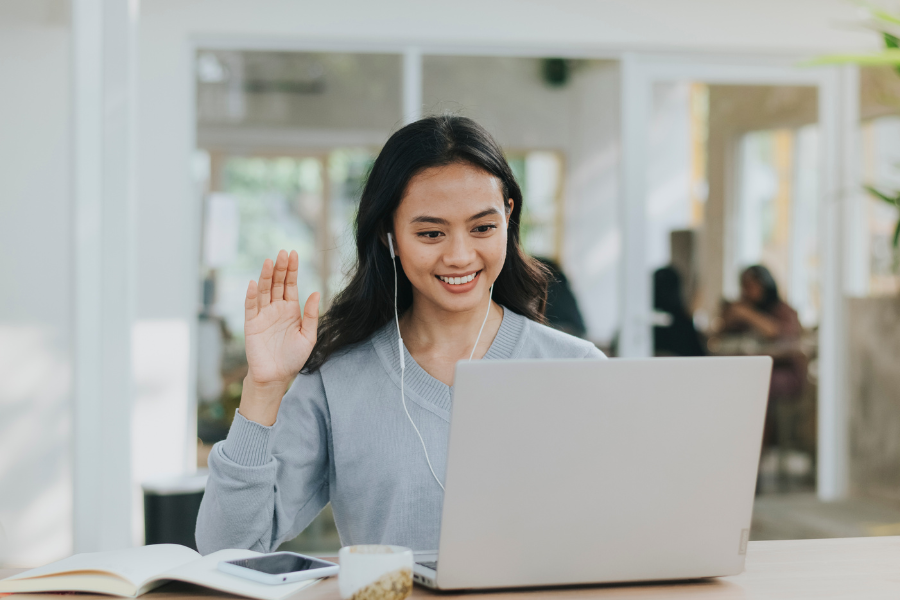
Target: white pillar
(103, 53)
(839, 118)
(412, 85)
(856, 242)
(635, 339)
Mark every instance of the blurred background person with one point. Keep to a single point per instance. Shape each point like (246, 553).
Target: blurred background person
(679, 337)
(562, 308)
(760, 310)
(762, 313)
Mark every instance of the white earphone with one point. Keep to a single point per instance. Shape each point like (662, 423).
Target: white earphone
(403, 360)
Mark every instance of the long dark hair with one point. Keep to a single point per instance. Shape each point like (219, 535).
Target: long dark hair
(764, 278)
(367, 303)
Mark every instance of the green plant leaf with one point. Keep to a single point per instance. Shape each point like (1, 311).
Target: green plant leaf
(883, 196)
(889, 57)
(895, 241)
(891, 41)
(885, 16)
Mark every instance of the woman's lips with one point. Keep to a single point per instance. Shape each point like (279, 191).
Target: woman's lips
(460, 288)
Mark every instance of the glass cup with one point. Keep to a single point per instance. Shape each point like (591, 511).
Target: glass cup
(372, 572)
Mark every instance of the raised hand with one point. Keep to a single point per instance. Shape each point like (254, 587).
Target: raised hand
(279, 337)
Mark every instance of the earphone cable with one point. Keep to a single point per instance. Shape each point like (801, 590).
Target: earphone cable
(483, 323)
(418, 433)
(403, 368)
(400, 349)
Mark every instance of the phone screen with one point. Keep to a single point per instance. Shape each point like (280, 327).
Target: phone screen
(281, 563)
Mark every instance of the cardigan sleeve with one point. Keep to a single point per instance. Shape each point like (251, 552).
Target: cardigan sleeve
(266, 484)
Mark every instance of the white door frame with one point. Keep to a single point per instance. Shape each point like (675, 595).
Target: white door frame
(838, 91)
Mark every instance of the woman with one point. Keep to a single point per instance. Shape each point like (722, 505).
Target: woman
(762, 312)
(441, 193)
(760, 309)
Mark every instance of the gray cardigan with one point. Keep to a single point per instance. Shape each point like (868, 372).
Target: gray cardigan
(342, 436)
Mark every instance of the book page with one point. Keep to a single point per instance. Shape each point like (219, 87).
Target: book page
(134, 565)
(80, 581)
(205, 572)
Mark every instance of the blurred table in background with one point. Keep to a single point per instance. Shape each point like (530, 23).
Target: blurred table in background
(752, 345)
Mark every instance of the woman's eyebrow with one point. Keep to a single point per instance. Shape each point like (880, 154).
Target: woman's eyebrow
(441, 221)
(427, 219)
(485, 213)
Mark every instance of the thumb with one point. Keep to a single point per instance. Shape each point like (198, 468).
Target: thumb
(310, 323)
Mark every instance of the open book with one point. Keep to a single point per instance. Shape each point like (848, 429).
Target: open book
(135, 571)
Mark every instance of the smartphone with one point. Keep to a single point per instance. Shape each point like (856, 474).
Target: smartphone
(279, 567)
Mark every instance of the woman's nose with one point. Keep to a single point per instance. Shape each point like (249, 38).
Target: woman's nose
(460, 252)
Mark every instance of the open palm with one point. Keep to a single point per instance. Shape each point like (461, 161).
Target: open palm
(278, 337)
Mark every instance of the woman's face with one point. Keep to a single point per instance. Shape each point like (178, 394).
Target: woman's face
(751, 290)
(451, 229)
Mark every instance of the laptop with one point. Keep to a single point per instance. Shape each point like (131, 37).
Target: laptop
(564, 472)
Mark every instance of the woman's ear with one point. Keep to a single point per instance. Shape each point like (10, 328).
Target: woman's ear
(509, 210)
(388, 240)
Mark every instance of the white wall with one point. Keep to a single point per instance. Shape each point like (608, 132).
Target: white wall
(505, 94)
(593, 244)
(359, 92)
(768, 26)
(35, 288)
(668, 170)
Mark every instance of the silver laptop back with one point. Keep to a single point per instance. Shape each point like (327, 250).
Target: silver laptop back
(567, 472)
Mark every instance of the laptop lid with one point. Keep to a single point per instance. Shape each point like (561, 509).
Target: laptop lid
(566, 472)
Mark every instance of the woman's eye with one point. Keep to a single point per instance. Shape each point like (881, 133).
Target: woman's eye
(430, 234)
(484, 228)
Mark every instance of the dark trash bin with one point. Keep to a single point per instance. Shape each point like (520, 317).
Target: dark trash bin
(171, 506)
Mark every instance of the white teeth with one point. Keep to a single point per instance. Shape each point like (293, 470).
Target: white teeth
(458, 280)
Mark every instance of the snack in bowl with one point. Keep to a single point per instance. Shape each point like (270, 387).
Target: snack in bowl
(374, 572)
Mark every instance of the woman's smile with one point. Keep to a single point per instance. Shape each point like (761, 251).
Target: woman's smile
(459, 284)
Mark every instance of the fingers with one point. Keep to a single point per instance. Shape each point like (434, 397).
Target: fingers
(265, 284)
(250, 308)
(277, 281)
(310, 323)
(290, 282)
(281, 264)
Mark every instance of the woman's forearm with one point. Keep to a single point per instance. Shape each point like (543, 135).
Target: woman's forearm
(260, 402)
(763, 324)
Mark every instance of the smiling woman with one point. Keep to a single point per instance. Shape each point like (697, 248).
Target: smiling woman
(365, 424)
(432, 181)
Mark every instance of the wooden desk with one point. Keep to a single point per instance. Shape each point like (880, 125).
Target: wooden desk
(853, 568)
